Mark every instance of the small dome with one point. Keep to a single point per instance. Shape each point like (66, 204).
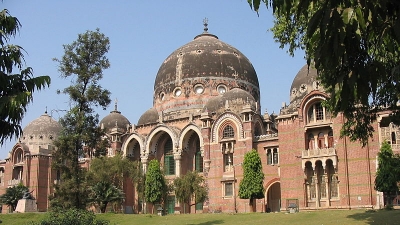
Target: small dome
(150, 116)
(304, 82)
(233, 100)
(213, 104)
(237, 93)
(115, 120)
(44, 128)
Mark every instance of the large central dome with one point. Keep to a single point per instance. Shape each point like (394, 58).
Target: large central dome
(199, 70)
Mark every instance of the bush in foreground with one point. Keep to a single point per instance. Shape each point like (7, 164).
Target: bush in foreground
(71, 216)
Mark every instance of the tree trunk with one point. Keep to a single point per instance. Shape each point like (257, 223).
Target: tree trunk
(251, 205)
(103, 207)
(387, 199)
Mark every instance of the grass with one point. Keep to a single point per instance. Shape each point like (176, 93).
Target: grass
(325, 217)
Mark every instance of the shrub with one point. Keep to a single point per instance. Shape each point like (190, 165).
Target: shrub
(71, 216)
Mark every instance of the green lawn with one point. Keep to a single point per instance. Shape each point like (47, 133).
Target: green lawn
(315, 217)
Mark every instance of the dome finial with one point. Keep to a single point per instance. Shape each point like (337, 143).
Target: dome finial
(205, 23)
(116, 105)
(45, 112)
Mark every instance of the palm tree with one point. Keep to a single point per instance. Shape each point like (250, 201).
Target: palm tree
(105, 192)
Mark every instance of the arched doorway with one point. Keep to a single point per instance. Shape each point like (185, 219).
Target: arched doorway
(273, 198)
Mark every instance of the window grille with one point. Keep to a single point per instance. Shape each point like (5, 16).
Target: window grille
(228, 132)
(322, 187)
(198, 160)
(319, 112)
(312, 188)
(169, 162)
(334, 186)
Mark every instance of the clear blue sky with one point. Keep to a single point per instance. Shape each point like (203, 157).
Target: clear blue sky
(142, 34)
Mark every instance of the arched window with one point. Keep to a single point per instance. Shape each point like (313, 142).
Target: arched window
(18, 156)
(169, 162)
(228, 132)
(317, 113)
(257, 131)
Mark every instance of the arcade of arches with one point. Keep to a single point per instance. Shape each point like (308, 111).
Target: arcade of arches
(205, 116)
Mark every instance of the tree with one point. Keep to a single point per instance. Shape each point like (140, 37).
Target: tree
(117, 170)
(114, 169)
(16, 89)
(155, 184)
(84, 60)
(355, 47)
(190, 186)
(251, 187)
(105, 192)
(12, 195)
(388, 173)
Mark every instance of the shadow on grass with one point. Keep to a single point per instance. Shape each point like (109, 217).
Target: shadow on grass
(375, 217)
(208, 222)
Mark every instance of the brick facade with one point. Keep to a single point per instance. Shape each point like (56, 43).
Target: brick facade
(207, 110)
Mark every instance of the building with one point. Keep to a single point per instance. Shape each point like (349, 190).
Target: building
(205, 116)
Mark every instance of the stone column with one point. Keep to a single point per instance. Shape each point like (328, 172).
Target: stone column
(144, 163)
(317, 190)
(177, 158)
(328, 201)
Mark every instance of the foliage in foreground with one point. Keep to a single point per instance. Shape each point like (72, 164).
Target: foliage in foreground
(12, 195)
(388, 173)
(105, 192)
(355, 47)
(251, 187)
(84, 61)
(190, 186)
(71, 216)
(16, 88)
(155, 184)
(327, 217)
(105, 172)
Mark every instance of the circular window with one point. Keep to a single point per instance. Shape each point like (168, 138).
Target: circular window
(303, 88)
(221, 89)
(198, 89)
(177, 92)
(162, 96)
